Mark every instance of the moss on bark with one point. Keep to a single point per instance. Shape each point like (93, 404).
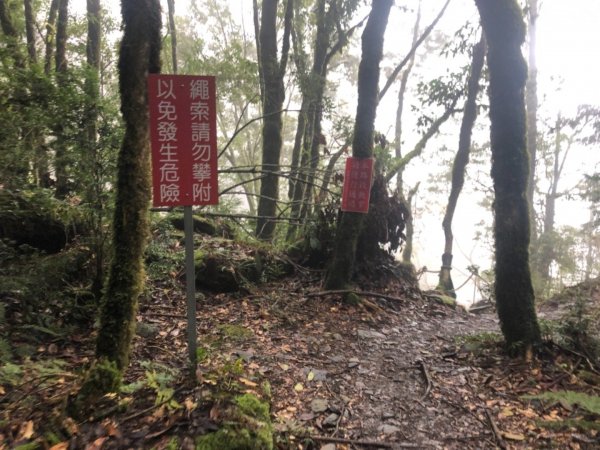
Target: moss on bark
(505, 32)
(139, 55)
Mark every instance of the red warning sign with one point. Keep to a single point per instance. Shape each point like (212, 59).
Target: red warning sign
(357, 185)
(183, 133)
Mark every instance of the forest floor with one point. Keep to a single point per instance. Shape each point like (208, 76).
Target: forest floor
(398, 371)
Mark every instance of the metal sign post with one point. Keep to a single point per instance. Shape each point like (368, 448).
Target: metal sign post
(183, 136)
(190, 283)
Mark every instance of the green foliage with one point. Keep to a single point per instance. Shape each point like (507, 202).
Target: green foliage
(13, 374)
(589, 403)
(164, 256)
(159, 378)
(484, 339)
(10, 373)
(579, 329)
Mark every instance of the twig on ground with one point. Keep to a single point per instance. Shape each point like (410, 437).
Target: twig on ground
(427, 378)
(496, 430)
(581, 355)
(170, 316)
(337, 423)
(365, 443)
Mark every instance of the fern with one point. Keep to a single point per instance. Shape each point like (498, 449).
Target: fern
(5, 351)
(590, 403)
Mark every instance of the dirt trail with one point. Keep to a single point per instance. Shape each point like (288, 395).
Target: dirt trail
(387, 375)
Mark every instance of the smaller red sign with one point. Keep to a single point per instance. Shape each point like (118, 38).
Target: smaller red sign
(357, 185)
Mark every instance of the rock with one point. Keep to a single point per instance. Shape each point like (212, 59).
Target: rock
(328, 447)
(246, 355)
(146, 330)
(388, 429)
(370, 334)
(331, 420)
(319, 405)
(353, 362)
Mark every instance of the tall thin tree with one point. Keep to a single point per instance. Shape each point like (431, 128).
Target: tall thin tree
(504, 29)
(273, 71)
(350, 225)
(460, 164)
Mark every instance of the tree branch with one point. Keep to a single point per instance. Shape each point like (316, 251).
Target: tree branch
(412, 51)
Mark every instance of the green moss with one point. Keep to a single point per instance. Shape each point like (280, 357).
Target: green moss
(444, 299)
(236, 332)
(103, 377)
(585, 425)
(251, 406)
(247, 426)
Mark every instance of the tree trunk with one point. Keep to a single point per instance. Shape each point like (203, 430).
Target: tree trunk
(49, 39)
(60, 157)
(460, 164)
(400, 108)
(349, 227)
(273, 72)
(140, 54)
(410, 226)
(173, 32)
(94, 186)
(547, 240)
(312, 100)
(505, 32)
(531, 102)
(30, 30)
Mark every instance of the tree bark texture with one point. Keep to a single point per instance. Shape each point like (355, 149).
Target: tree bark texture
(460, 164)
(139, 55)
(349, 227)
(531, 101)
(505, 32)
(273, 73)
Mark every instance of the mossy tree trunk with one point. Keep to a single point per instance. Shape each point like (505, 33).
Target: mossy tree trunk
(504, 29)
(461, 160)
(139, 55)
(349, 227)
(273, 72)
(93, 164)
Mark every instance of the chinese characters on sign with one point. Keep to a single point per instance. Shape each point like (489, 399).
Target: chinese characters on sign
(357, 185)
(183, 135)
